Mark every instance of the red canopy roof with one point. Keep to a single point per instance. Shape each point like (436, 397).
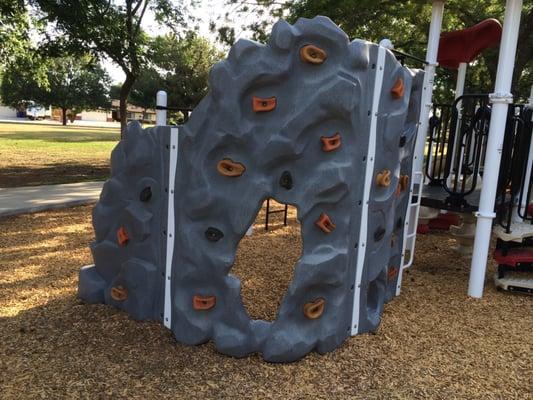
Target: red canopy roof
(465, 45)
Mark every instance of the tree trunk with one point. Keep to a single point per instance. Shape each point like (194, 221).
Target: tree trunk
(64, 110)
(124, 93)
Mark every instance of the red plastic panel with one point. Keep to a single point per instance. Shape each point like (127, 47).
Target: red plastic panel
(465, 45)
(514, 256)
(444, 221)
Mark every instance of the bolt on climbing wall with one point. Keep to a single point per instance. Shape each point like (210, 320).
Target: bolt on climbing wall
(309, 119)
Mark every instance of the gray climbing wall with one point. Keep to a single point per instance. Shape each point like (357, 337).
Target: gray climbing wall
(129, 224)
(289, 120)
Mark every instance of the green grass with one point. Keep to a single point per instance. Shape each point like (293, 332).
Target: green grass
(33, 154)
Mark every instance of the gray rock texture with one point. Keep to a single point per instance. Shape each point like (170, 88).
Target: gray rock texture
(288, 120)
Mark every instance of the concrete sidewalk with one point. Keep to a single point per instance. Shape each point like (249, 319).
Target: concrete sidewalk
(28, 199)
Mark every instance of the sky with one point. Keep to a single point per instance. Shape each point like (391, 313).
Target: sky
(205, 11)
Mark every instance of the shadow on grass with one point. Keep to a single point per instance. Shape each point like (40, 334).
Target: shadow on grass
(67, 136)
(50, 174)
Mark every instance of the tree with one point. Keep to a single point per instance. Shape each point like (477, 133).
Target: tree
(13, 29)
(24, 80)
(70, 83)
(145, 88)
(185, 66)
(407, 24)
(76, 84)
(105, 28)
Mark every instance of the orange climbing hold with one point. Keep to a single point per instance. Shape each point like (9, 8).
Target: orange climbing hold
(203, 302)
(228, 167)
(122, 236)
(325, 224)
(392, 272)
(330, 143)
(398, 89)
(119, 293)
(383, 179)
(312, 54)
(314, 309)
(263, 105)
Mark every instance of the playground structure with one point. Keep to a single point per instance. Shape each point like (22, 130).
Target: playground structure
(170, 219)
(457, 154)
(311, 120)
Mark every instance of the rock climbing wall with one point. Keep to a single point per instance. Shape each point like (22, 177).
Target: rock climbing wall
(129, 224)
(289, 120)
(407, 148)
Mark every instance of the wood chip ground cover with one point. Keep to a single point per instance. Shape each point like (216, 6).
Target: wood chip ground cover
(433, 342)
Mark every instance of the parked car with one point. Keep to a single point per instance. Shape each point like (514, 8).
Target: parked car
(35, 112)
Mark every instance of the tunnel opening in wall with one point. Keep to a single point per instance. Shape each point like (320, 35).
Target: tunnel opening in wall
(265, 260)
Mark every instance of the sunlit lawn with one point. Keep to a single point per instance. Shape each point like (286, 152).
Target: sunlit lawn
(32, 154)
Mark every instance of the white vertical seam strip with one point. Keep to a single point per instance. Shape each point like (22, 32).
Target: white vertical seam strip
(369, 175)
(173, 158)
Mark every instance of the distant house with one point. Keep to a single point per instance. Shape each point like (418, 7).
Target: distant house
(134, 113)
(94, 115)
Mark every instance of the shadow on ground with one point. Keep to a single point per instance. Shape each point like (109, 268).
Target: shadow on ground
(67, 136)
(50, 174)
(433, 342)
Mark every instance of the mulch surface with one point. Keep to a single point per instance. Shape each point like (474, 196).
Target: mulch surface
(434, 342)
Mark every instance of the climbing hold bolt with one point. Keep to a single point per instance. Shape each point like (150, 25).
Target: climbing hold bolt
(203, 302)
(213, 234)
(263, 105)
(122, 236)
(285, 181)
(383, 179)
(397, 90)
(146, 194)
(330, 143)
(404, 182)
(325, 224)
(119, 293)
(314, 309)
(312, 54)
(228, 167)
(379, 233)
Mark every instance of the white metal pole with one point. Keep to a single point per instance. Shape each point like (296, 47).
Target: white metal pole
(161, 114)
(459, 91)
(461, 78)
(500, 100)
(427, 91)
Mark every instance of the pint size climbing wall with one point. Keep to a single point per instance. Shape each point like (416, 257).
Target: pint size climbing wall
(310, 119)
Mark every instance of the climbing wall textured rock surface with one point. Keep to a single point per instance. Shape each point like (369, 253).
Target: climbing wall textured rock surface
(288, 120)
(129, 222)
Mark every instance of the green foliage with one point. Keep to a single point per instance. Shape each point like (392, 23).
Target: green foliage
(178, 66)
(75, 83)
(13, 29)
(144, 89)
(106, 28)
(184, 66)
(24, 80)
(406, 23)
